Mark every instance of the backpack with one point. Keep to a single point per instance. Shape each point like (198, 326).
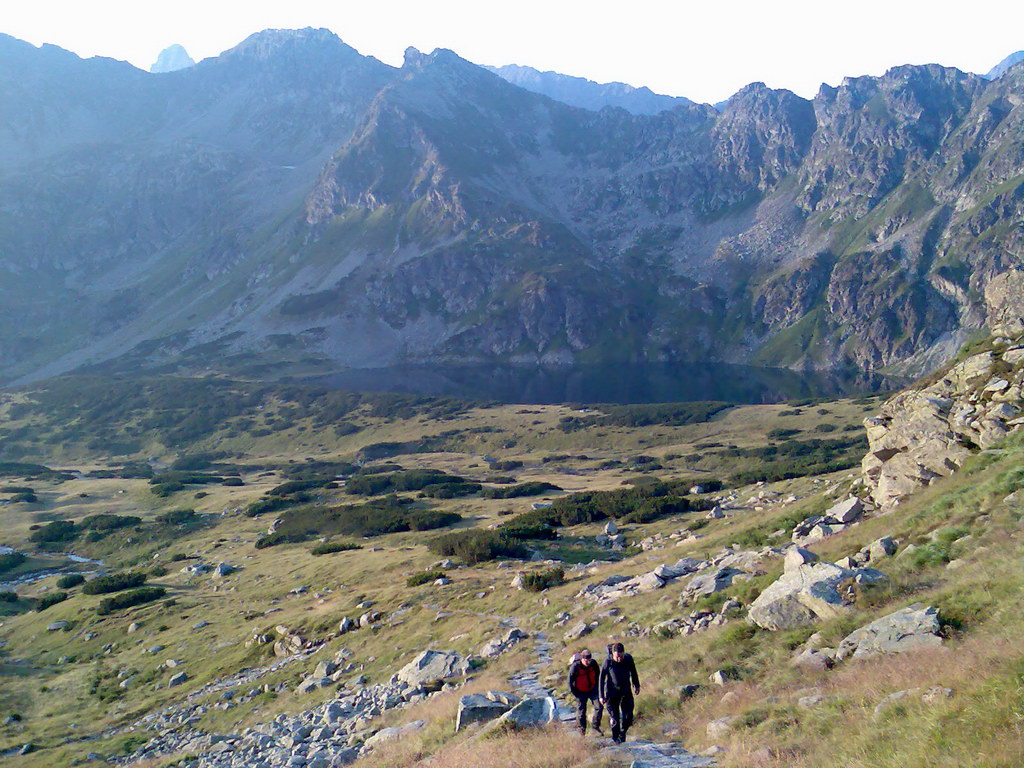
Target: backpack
(589, 676)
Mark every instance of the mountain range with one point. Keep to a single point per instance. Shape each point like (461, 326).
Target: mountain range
(293, 200)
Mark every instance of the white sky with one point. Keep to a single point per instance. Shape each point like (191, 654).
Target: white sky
(703, 50)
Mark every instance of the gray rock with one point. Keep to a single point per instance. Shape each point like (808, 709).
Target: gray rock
(709, 583)
(177, 679)
(814, 700)
(797, 556)
(57, 626)
(806, 594)
(893, 700)
(578, 631)
(905, 630)
(718, 729)
(431, 668)
(477, 708)
(393, 734)
(529, 713)
(881, 548)
(846, 511)
(812, 658)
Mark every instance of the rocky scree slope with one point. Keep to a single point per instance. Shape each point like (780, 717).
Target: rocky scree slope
(294, 198)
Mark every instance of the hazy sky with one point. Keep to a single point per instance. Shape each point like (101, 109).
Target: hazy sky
(703, 50)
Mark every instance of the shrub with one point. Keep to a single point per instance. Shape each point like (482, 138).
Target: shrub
(11, 560)
(114, 582)
(50, 599)
(70, 580)
(106, 522)
(506, 465)
(27, 498)
(177, 517)
(533, 488)
(451, 490)
(330, 547)
(273, 504)
(538, 581)
(56, 532)
(477, 546)
(8, 597)
(528, 526)
(424, 578)
(130, 598)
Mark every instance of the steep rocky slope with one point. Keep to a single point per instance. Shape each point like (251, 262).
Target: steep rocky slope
(293, 197)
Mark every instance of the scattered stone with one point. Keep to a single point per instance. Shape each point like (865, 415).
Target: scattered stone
(908, 629)
(881, 548)
(812, 658)
(385, 735)
(806, 594)
(177, 679)
(499, 645)
(718, 729)
(797, 556)
(529, 713)
(579, 630)
(846, 511)
(431, 668)
(478, 708)
(814, 700)
(57, 626)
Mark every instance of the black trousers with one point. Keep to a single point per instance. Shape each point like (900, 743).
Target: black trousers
(620, 713)
(581, 710)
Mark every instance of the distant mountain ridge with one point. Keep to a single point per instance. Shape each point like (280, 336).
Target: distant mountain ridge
(580, 92)
(171, 59)
(1000, 68)
(292, 200)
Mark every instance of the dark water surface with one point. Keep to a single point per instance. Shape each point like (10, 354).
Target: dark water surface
(625, 383)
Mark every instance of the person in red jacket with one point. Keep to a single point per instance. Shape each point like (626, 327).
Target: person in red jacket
(584, 676)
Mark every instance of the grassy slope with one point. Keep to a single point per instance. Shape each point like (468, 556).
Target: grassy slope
(978, 726)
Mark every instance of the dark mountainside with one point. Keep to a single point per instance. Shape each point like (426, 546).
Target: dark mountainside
(294, 200)
(580, 92)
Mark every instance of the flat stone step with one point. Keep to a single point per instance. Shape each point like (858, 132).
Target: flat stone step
(647, 754)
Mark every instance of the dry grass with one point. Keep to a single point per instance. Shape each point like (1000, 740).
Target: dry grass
(553, 747)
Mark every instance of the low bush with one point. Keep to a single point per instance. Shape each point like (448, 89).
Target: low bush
(330, 547)
(8, 597)
(50, 599)
(129, 599)
(57, 532)
(424, 578)
(114, 582)
(177, 517)
(538, 581)
(528, 526)
(70, 580)
(477, 546)
(533, 488)
(11, 560)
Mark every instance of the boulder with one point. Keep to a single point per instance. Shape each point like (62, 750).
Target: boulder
(498, 645)
(709, 583)
(812, 658)
(477, 708)
(346, 625)
(908, 629)
(57, 626)
(177, 679)
(529, 713)
(846, 511)
(806, 594)
(431, 668)
(223, 569)
(610, 528)
(578, 631)
(881, 548)
(797, 556)
(719, 729)
(384, 735)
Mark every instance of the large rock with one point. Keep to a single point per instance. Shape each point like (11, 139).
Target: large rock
(385, 735)
(905, 630)
(529, 713)
(796, 557)
(499, 645)
(709, 583)
(477, 708)
(806, 594)
(431, 668)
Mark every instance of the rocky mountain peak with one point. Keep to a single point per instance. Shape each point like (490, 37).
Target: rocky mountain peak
(172, 59)
(273, 43)
(1001, 68)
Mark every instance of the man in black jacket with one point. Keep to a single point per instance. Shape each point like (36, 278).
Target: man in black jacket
(618, 675)
(583, 684)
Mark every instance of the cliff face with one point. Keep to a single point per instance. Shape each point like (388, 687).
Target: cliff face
(294, 196)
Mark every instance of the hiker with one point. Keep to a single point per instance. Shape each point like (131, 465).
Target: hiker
(584, 675)
(618, 675)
